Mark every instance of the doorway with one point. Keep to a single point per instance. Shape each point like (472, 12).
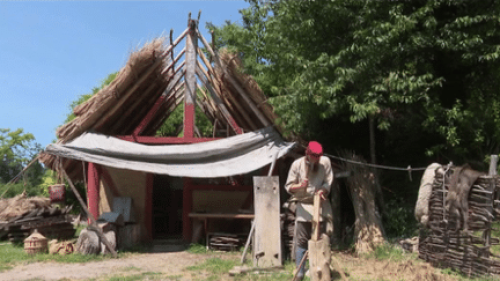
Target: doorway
(167, 207)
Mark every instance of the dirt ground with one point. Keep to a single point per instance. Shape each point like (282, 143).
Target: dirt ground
(172, 266)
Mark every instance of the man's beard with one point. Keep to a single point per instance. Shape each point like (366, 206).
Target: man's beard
(313, 166)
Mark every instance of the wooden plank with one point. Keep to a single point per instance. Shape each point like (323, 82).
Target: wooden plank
(267, 240)
(316, 217)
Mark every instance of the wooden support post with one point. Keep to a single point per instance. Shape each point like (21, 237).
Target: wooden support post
(190, 79)
(93, 222)
(93, 189)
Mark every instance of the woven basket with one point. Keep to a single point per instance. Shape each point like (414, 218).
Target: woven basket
(57, 193)
(35, 243)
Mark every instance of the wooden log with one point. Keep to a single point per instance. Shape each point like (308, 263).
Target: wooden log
(320, 258)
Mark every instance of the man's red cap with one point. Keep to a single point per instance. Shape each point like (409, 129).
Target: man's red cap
(314, 147)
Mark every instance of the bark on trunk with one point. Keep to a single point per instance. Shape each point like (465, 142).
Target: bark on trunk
(368, 229)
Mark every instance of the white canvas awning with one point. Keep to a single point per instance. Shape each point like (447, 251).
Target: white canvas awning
(234, 155)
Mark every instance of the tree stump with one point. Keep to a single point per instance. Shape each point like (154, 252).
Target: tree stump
(320, 259)
(368, 230)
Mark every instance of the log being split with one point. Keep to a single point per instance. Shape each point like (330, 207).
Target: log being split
(92, 219)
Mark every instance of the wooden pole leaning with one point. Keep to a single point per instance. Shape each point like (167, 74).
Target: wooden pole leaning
(91, 217)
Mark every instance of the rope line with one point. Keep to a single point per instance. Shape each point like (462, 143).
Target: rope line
(407, 169)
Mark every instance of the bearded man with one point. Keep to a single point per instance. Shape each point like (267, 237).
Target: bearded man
(308, 175)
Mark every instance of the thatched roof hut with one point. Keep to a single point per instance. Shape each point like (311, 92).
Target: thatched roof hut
(151, 85)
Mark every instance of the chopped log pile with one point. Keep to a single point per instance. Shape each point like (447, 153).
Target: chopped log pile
(469, 252)
(20, 216)
(225, 241)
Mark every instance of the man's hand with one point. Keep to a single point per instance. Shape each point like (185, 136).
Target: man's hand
(322, 193)
(304, 183)
(300, 186)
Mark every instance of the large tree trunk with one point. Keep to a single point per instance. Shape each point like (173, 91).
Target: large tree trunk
(368, 229)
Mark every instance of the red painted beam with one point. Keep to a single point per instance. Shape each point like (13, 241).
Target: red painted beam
(164, 140)
(152, 112)
(93, 190)
(189, 120)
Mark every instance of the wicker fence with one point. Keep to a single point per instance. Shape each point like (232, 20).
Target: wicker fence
(469, 252)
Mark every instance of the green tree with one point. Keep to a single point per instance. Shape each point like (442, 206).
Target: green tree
(428, 65)
(17, 150)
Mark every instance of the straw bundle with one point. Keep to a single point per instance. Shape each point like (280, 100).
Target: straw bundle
(147, 63)
(19, 205)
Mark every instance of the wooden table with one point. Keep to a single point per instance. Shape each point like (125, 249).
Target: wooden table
(206, 216)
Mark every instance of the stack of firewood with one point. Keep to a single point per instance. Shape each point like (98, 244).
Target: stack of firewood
(52, 222)
(225, 241)
(466, 251)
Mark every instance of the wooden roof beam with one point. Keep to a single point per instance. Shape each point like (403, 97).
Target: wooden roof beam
(219, 104)
(249, 102)
(231, 99)
(230, 102)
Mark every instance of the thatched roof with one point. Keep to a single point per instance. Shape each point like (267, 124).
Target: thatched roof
(153, 72)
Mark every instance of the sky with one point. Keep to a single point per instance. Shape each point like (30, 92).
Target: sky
(52, 52)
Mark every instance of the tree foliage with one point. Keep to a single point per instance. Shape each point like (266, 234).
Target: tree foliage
(17, 149)
(431, 66)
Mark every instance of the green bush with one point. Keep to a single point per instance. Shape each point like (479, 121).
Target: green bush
(399, 220)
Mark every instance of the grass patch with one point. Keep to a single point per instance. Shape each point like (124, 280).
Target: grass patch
(197, 249)
(214, 265)
(4, 267)
(387, 251)
(461, 277)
